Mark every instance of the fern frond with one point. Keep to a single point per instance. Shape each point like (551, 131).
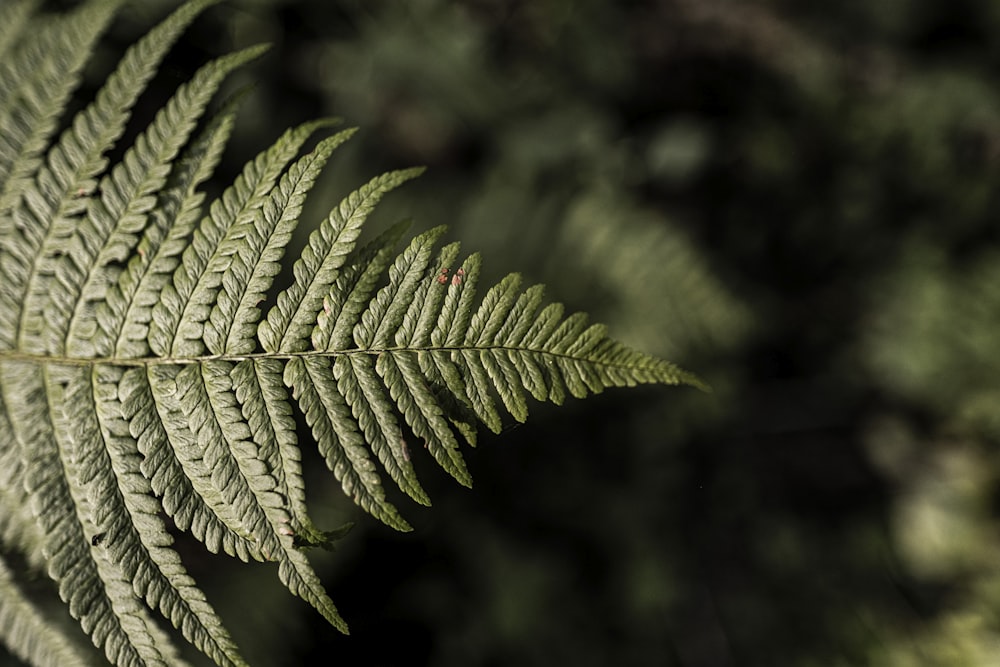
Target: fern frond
(91, 586)
(174, 464)
(289, 324)
(502, 348)
(192, 292)
(13, 17)
(17, 524)
(338, 437)
(26, 631)
(247, 258)
(115, 219)
(357, 381)
(423, 414)
(139, 379)
(385, 313)
(132, 298)
(39, 228)
(205, 393)
(44, 71)
(349, 294)
(126, 514)
(265, 408)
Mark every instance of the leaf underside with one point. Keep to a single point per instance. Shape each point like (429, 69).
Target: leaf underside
(142, 382)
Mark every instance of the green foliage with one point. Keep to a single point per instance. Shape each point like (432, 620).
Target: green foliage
(151, 370)
(932, 339)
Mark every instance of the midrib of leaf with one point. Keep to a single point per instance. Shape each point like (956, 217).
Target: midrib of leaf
(681, 377)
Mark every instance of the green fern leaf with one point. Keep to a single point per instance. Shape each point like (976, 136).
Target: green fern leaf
(348, 296)
(13, 17)
(189, 297)
(289, 324)
(140, 380)
(338, 437)
(132, 298)
(41, 227)
(248, 255)
(48, 67)
(422, 412)
(114, 220)
(17, 524)
(127, 515)
(174, 464)
(26, 631)
(357, 381)
(93, 588)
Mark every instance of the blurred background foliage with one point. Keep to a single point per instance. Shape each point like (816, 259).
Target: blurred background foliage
(797, 200)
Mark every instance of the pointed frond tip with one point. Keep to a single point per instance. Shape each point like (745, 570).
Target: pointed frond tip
(158, 364)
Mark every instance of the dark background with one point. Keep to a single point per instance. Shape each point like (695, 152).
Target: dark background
(796, 200)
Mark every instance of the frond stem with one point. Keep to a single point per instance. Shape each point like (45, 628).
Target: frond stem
(134, 362)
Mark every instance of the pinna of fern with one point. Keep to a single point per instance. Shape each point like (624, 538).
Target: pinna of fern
(141, 382)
